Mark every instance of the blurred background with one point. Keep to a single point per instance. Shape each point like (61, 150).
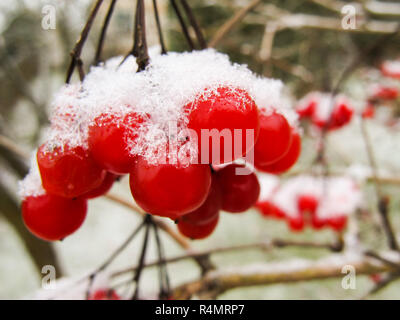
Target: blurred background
(300, 42)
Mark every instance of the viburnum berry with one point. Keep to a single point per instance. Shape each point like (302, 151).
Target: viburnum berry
(208, 210)
(338, 222)
(169, 190)
(267, 208)
(240, 191)
(391, 68)
(104, 294)
(194, 231)
(369, 111)
(341, 115)
(226, 108)
(103, 188)
(385, 93)
(274, 139)
(296, 223)
(288, 160)
(307, 203)
(51, 217)
(109, 139)
(68, 172)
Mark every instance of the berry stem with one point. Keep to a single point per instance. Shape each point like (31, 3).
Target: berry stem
(195, 25)
(183, 24)
(103, 32)
(159, 29)
(77, 50)
(139, 49)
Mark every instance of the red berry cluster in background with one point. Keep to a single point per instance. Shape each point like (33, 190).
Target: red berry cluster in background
(309, 201)
(324, 111)
(167, 172)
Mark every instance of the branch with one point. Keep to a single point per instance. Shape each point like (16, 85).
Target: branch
(218, 281)
(231, 23)
(103, 32)
(77, 50)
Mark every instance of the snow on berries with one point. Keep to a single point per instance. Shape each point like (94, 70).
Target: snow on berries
(391, 68)
(166, 127)
(307, 200)
(325, 111)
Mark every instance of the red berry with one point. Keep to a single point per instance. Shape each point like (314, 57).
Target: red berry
(296, 223)
(51, 217)
(341, 115)
(103, 188)
(104, 294)
(109, 139)
(169, 190)
(208, 210)
(194, 231)
(368, 112)
(239, 191)
(288, 160)
(227, 108)
(68, 172)
(307, 110)
(316, 222)
(337, 223)
(386, 93)
(307, 203)
(274, 139)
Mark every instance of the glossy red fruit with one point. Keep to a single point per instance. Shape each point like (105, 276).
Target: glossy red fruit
(307, 203)
(341, 115)
(196, 232)
(337, 223)
(104, 294)
(208, 210)
(109, 139)
(226, 108)
(288, 160)
(103, 188)
(368, 112)
(274, 139)
(51, 217)
(239, 191)
(386, 93)
(169, 190)
(68, 172)
(296, 223)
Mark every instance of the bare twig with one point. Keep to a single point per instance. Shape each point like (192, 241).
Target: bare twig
(219, 281)
(103, 32)
(182, 24)
(195, 25)
(159, 29)
(77, 50)
(231, 23)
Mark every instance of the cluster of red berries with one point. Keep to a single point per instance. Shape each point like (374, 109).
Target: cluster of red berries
(391, 69)
(325, 111)
(117, 122)
(303, 201)
(189, 193)
(381, 93)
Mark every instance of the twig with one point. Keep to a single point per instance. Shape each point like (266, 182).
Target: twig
(103, 32)
(195, 25)
(265, 245)
(219, 281)
(382, 284)
(182, 24)
(110, 259)
(159, 29)
(77, 50)
(139, 49)
(383, 201)
(147, 222)
(231, 23)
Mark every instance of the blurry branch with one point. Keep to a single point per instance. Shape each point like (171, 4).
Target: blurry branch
(288, 20)
(41, 252)
(77, 50)
(373, 7)
(265, 246)
(382, 284)
(231, 23)
(103, 32)
(204, 264)
(219, 281)
(383, 201)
